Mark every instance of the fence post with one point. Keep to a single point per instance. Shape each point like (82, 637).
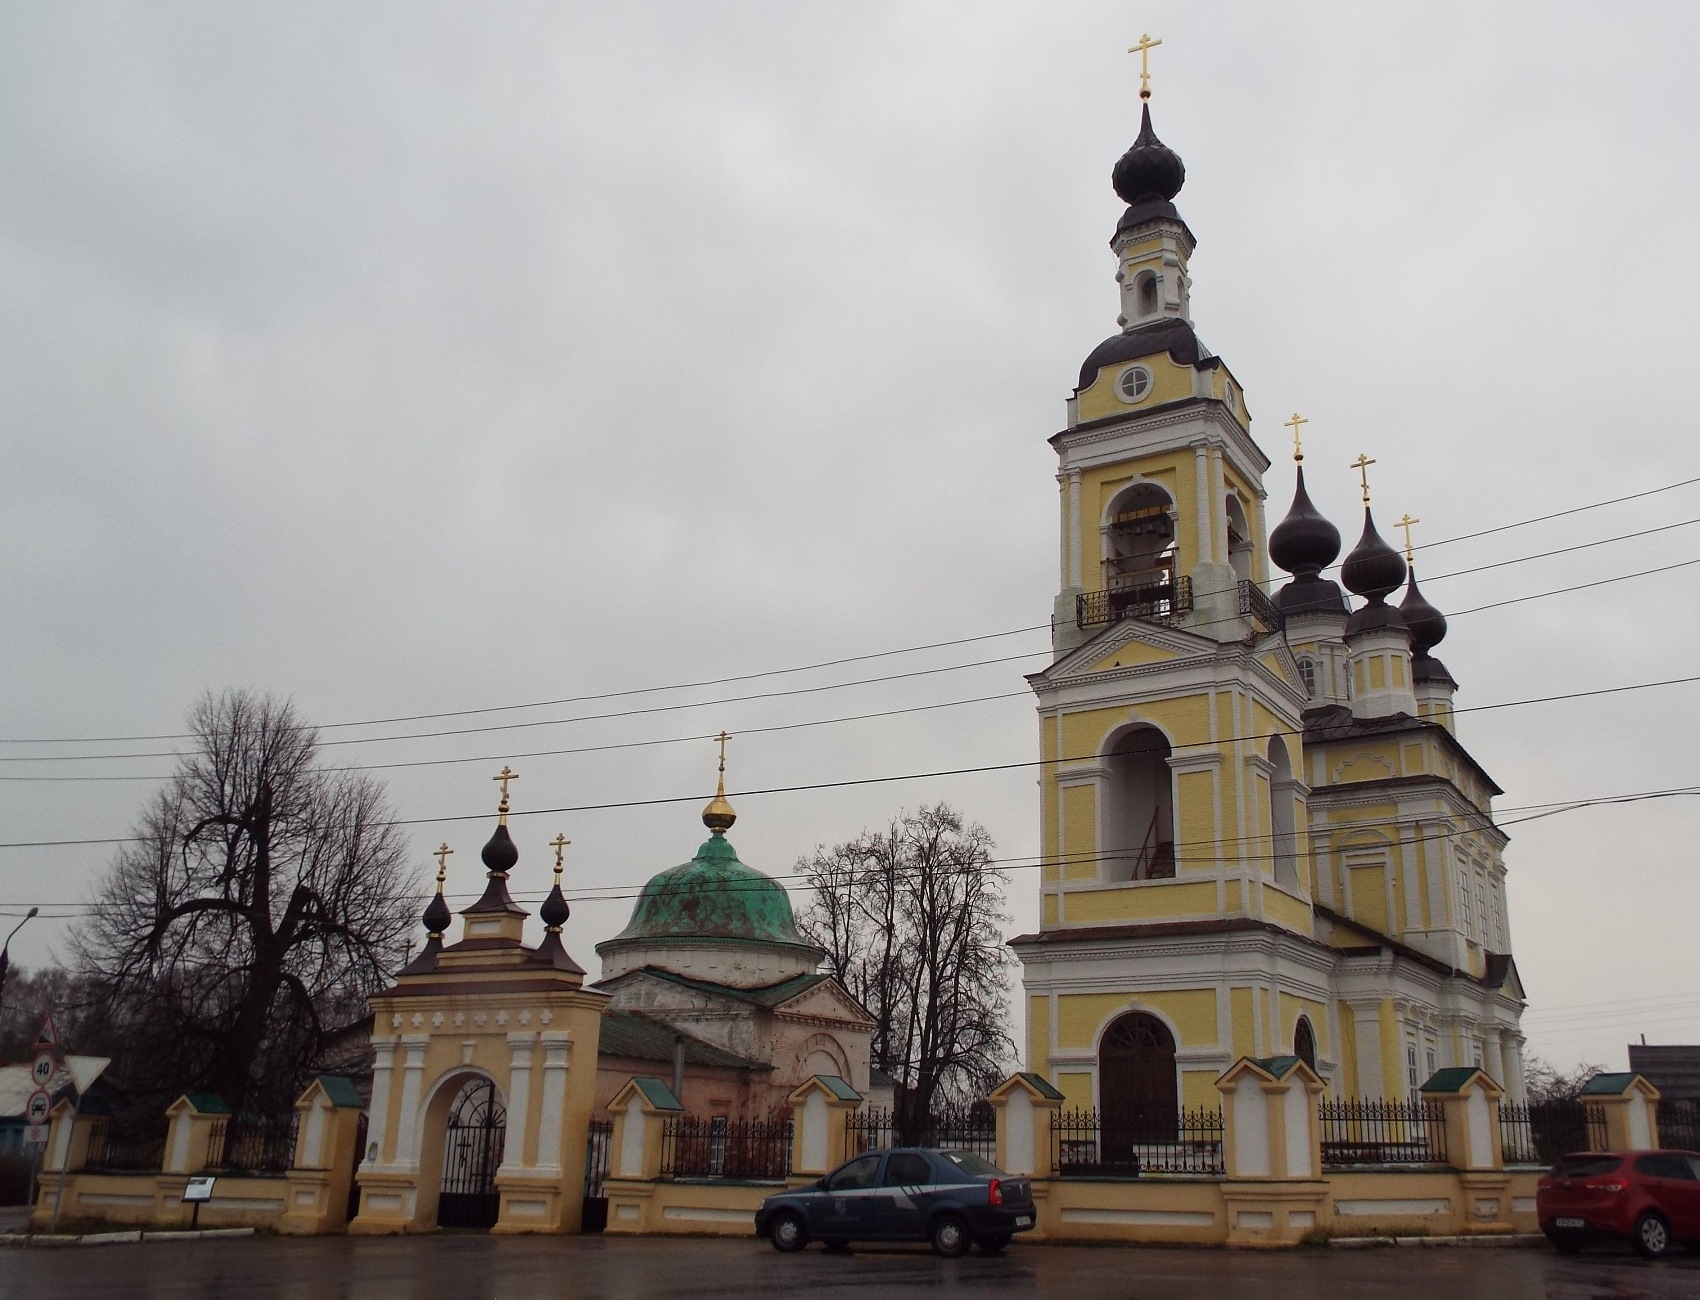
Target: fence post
(820, 1115)
(1271, 1146)
(321, 1174)
(1469, 1101)
(640, 1109)
(1631, 1108)
(193, 1117)
(1027, 1108)
(67, 1151)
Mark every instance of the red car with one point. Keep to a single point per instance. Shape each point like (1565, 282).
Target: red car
(1650, 1197)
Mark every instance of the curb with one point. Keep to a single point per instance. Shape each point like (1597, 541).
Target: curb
(18, 1240)
(1500, 1239)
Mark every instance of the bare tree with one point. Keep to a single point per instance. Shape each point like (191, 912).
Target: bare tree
(912, 920)
(261, 900)
(1544, 1082)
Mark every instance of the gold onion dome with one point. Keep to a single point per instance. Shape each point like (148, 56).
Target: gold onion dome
(719, 815)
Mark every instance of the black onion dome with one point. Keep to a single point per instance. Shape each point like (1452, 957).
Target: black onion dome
(499, 854)
(437, 915)
(1374, 569)
(1304, 543)
(554, 911)
(1150, 169)
(1427, 624)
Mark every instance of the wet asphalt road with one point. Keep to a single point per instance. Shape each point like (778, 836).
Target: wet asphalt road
(478, 1267)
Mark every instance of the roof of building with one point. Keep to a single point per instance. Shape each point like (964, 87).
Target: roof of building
(637, 1037)
(1335, 722)
(75, 1073)
(713, 897)
(340, 1090)
(1673, 1069)
(1170, 334)
(770, 995)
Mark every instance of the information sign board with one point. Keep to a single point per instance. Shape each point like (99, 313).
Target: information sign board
(199, 1189)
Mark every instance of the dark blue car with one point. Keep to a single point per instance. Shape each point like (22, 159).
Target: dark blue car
(953, 1199)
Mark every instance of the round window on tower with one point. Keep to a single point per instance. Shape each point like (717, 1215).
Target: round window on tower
(1134, 384)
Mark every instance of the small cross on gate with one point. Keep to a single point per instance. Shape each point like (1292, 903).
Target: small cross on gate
(559, 844)
(1406, 523)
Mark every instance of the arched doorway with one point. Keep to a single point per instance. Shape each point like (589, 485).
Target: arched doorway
(1138, 1094)
(472, 1152)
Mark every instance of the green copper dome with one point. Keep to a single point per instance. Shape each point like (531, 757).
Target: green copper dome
(716, 897)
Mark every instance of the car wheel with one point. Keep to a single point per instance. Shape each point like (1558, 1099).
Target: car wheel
(1651, 1237)
(950, 1236)
(1565, 1243)
(993, 1243)
(787, 1233)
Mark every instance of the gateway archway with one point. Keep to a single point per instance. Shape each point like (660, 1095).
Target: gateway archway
(473, 1138)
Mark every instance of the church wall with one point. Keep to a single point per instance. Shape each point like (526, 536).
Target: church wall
(1170, 382)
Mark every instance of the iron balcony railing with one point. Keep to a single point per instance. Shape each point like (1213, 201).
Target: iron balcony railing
(1259, 608)
(966, 1128)
(1161, 602)
(1087, 1143)
(754, 1150)
(1373, 1131)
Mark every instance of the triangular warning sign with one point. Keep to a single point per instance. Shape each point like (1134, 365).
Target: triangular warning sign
(47, 1035)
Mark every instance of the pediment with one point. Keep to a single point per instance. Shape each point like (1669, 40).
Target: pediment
(1131, 643)
(828, 1000)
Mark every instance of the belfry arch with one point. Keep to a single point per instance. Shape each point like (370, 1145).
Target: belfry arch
(1283, 837)
(1139, 545)
(1139, 807)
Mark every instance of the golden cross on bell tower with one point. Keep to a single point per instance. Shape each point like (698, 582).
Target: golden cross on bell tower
(1293, 424)
(443, 864)
(504, 776)
(1143, 49)
(1405, 522)
(1362, 464)
(559, 844)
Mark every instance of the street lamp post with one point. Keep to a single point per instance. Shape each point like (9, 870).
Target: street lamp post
(5, 957)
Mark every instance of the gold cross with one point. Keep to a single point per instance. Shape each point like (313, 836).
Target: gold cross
(1293, 424)
(1362, 464)
(559, 844)
(443, 864)
(1143, 49)
(723, 737)
(1406, 523)
(504, 776)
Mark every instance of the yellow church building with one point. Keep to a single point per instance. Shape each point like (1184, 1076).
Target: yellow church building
(1261, 833)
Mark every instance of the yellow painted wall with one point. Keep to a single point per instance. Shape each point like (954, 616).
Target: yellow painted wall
(1145, 901)
(1076, 1089)
(1242, 1009)
(1080, 832)
(1369, 897)
(1170, 382)
(1192, 1012)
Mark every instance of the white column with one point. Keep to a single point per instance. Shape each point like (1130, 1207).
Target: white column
(412, 1080)
(519, 1099)
(1218, 505)
(378, 1117)
(313, 1144)
(1074, 523)
(1201, 477)
(557, 1046)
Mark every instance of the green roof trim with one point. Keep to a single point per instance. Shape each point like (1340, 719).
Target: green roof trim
(1041, 1085)
(713, 896)
(207, 1103)
(340, 1091)
(1608, 1085)
(838, 1087)
(1451, 1079)
(1279, 1066)
(657, 1094)
(770, 995)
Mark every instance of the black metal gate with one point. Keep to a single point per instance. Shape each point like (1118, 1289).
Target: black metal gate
(597, 1148)
(472, 1151)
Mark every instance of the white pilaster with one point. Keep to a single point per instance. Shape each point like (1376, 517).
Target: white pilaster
(378, 1117)
(519, 1100)
(557, 1049)
(412, 1081)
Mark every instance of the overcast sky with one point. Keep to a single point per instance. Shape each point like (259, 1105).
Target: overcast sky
(410, 358)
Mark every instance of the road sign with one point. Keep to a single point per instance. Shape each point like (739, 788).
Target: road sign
(38, 1106)
(42, 1070)
(36, 1134)
(47, 1035)
(198, 1189)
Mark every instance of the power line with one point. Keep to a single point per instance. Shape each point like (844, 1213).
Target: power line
(720, 681)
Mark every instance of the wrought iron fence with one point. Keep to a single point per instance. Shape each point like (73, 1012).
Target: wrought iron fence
(1679, 1123)
(1255, 605)
(961, 1128)
(1158, 602)
(1542, 1131)
(1378, 1131)
(598, 1149)
(252, 1144)
(126, 1146)
(723, 1148)
(1086, 1143)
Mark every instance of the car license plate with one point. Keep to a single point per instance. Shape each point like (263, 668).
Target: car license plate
(1022, 1221)
(1570, 1223)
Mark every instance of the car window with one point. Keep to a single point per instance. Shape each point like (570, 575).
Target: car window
(858, 1173)
(1662, 1166)
(907, 1169)
(1583, 1166)
(1694, 1167)
(973, 1165)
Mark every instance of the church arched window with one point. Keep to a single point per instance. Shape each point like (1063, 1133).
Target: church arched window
(1138, 1090)
(1282, 838)
(1139, 813)
(1307, 675)
(1239, 539)
(1139, 552)
(1304, 1042)
(1145, 293)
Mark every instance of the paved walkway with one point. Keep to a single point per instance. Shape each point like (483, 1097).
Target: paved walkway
(475, 1267)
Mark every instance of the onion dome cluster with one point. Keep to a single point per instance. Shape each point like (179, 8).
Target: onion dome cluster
(1304, 544)
(1373, 570)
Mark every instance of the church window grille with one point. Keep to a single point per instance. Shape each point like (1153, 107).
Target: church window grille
(1134, 383)
(1304, 1042)
(1428, 1059)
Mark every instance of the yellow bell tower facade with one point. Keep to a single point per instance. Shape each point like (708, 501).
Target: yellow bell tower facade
(1212, 755)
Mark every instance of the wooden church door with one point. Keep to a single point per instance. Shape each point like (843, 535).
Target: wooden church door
(1137, 1090)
